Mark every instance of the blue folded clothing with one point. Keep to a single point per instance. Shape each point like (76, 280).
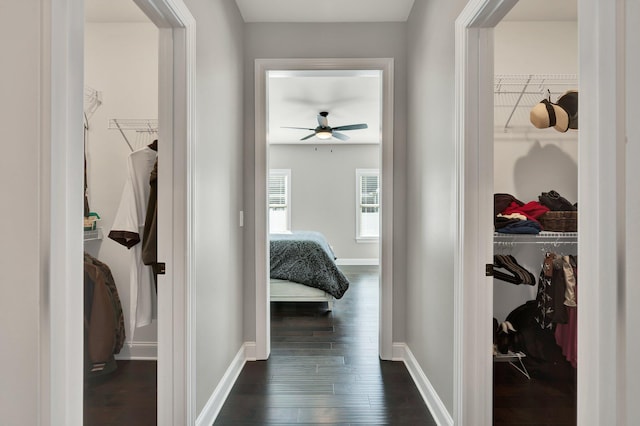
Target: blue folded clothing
(521, 227)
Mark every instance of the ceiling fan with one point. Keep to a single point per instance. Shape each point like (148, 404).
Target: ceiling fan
(324, 131)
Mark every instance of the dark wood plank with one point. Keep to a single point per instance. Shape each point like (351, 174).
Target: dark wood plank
(126, 396)
(548, 400)
(324, 368)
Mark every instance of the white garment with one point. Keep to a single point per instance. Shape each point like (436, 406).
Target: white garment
(130, 218)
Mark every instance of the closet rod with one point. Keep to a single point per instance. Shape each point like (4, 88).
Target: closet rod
(548, 243)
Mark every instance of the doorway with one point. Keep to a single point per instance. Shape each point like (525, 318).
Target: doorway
(537, 354)
(175, 114)
(600, 176)
(121, 151)
(386, 183)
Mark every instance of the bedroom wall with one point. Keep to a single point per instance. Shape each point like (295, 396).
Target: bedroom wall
(431, 192)
(324, 193)
(218, 191)
(366, 40)
(121, 61)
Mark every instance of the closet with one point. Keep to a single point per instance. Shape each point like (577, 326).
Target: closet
(121, 148)
(534, 354)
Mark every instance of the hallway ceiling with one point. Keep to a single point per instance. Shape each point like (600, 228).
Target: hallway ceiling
(325, 11)
(331, 11)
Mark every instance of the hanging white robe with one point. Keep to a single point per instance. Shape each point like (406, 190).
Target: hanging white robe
(127, 230)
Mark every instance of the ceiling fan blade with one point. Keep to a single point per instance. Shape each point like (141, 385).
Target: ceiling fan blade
(352, 127)
(301, 128)
(307, 137)
(339, 135)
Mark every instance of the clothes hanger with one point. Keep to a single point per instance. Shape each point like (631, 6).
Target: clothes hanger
(514, 273)
(508, 274)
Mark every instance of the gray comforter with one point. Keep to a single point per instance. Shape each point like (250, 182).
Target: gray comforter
(305, 257)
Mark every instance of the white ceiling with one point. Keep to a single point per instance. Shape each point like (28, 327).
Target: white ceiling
(544, 10)
(325, 10)
(350, 97)
(331, 10)
(113, 11)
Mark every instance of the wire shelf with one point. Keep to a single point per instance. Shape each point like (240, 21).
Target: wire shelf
(138, 125)
(516, 94)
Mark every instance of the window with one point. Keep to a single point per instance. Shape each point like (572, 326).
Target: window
(279, 200)
(368, 205)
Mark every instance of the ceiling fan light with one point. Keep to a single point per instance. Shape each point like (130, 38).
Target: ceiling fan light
(324, 135)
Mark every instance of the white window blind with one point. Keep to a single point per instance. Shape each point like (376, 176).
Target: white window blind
(368, 204)
(279, 200)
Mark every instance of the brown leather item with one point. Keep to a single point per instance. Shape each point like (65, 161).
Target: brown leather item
(101, 337)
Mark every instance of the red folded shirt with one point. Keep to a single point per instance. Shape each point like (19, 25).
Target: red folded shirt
(532, 210)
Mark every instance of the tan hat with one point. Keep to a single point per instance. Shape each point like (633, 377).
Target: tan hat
(547, 114)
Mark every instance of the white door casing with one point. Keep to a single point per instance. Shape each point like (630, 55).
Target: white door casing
(473, 292)
(601, 331)
(176, 146)
(262, 66)
(61, 395)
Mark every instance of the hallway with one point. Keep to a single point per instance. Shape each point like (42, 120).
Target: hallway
(324, 368)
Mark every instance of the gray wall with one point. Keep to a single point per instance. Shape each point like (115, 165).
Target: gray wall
(632, 290)
(379, 40)
(323, 191)
(218, 192)
(22, 256)
(430, 190)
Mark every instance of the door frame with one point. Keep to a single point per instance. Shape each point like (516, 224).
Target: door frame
(263, 317)
(63, 77)
(601, 395)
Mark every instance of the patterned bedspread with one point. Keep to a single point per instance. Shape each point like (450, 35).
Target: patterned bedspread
(305, 257)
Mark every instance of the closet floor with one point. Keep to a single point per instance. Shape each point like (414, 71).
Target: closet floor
(539, 401)
(125, 397)
(324, 368)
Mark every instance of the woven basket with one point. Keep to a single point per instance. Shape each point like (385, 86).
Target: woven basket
(560, 221)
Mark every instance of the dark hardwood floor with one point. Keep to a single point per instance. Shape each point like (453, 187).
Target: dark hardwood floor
(324, 368)
(540, 401)
(124, 397)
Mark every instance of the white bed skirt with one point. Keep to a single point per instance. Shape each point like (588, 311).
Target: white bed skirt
(289, 291)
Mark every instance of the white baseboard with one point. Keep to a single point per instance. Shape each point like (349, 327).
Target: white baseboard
(250, 352)
(138, 351)
(401, 352)
(213, 406)
(357, 262)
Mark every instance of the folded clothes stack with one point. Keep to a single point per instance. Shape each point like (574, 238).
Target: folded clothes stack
(512, 216)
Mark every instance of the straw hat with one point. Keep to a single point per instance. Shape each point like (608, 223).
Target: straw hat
(547, 114)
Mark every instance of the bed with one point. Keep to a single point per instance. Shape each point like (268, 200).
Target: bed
(303, 269)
